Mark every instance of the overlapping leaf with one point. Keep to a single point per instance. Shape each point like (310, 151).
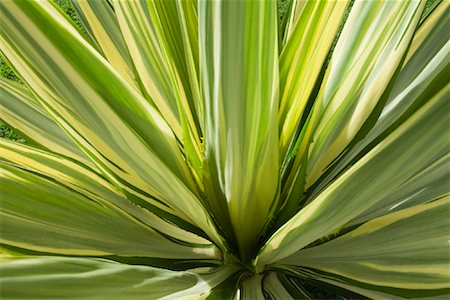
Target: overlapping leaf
(406, 151)
(99, 19)
(363, 65)
(116, 127)
(75, 278)
(367, 55)
(424, 74)
(21, 110)
(239, 71)
(313, 32)
(162, 42)
(404, 253)
(53, 205)
(162, 128)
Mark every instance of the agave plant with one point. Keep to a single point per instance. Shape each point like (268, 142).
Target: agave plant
(206, 149)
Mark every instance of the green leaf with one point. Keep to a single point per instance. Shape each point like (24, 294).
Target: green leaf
(120, 227)
(162, 40)
(302, 284)
(306, 163)
(252, 288)
(303, 62)
(22, 111)
(228, 289)
(302, 58)
(100, 21)
(408, 150)
(277, 290)
(262, 155)
(91, 185)
(427, 185)
(83, 278)
(125, 136)
(403, 253)
(370, 48)
(423, 75)
(239, 72)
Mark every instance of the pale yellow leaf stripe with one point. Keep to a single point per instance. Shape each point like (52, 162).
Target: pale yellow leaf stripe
(147, 40)
(116, 123)
(427, 185)
(102, 22)
(422, 76)
(22, 111)
(91, 185)
(87, 278)
(368, 52)
(239, 80)
(68, 219)
(439, 14)
(418, 140)
(407, 249)
(302, 58)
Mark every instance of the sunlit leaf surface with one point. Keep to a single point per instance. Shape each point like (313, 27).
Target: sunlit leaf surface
(225, 149)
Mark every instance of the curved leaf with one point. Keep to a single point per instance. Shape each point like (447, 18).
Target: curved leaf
(100, 21)
(302, 58)
(91, 185)
(163, 49)
(370, 48)
(402, 253)
(239, 72)
(22, 111)
(82, 278)
(423, 75)
(406, 151)
(126, 137)
(66, 221)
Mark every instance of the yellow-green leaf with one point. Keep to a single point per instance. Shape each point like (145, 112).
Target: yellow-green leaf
(239, 72)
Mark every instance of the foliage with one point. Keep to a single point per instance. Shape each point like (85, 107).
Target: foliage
(10, 134)
(6, 72)
(225, 149)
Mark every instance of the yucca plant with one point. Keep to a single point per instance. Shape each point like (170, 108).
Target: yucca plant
(208, 149)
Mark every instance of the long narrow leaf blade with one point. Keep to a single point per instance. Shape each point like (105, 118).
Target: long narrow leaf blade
(81, 278)
(239, 71)
(101, 22)
(22, 111)
(117, 123)
(90, 184)
(406, 151)
(161, 48)
(59, 230)
(423, 75)
(369, 50)
(302, 59)
(404, 253)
